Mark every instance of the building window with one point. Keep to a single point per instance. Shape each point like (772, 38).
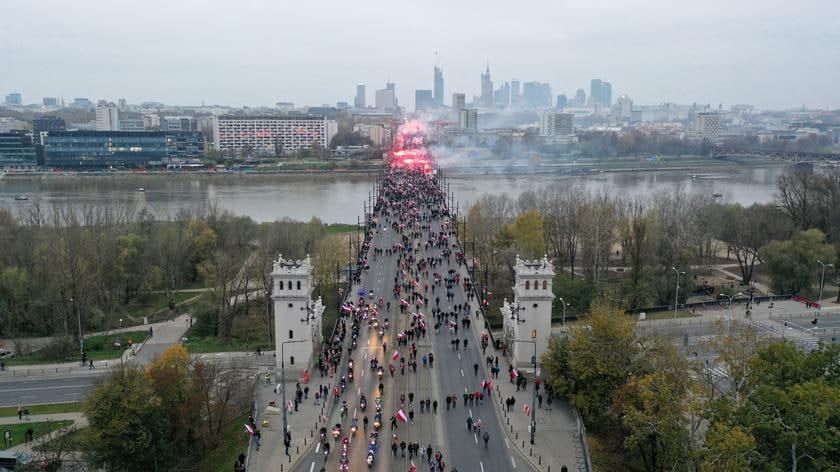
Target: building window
(291, 334)
(545, 284)
(527, 284)
(535, 305)
(298, 284)
(291, 305)
(292, 360)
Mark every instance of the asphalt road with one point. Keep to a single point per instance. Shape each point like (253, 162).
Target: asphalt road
(452, 374)
(45, 389)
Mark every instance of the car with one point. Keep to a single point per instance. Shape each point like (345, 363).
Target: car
(5, 353)
(14, 460)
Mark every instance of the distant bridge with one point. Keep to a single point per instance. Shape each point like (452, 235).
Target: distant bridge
(790, 156)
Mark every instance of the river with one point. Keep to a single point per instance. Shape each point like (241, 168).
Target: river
(338, 198)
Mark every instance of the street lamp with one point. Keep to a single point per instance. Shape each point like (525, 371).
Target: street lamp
(822, 281)
(81, 336)
(514, 313)
(283, 382)
(730, 297)
(563, 322)
(677, 291)
(534, 399)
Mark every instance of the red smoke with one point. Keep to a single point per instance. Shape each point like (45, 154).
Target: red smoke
(409, 150)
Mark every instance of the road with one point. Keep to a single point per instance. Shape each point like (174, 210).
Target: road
(452, 374)
(46, 389)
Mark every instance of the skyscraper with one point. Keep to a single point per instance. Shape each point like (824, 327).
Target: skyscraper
(562, 101)
(486, 89)
(501, 97)
(468, 119)
(515, 97)
(580, 98)
(536, 95)
(361, 97)
(600, 93)
(438, 86)
(423, 100)
(14, 98)
(557, 128)
(385, 99)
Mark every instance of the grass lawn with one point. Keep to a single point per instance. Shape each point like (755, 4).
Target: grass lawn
(45, 409)
(339, 228)
(39, 428)
(249, 333)
(98, 348)
(157, 302)
(232, 441)
(72, 441)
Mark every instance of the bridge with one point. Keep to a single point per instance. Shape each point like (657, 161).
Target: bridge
(796, 157)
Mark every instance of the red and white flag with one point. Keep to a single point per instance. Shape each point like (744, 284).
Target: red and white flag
(527, 410)
(249, 429)
(395, 355)
(514, 373)
(416, 283)
(401, 416)
(404, 302)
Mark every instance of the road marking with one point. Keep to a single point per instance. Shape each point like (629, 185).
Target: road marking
(470, 412)
(312, 466)
(479, 463)
(513, 462)
(475, 437)
(317, 448)
(354, 412)
(44, 388)
(462, 374)
(507, 443)
(459, 356)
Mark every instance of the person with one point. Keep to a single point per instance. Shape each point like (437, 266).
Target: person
(475, 368)
(564, 468)
(486, 439)
(91, 365)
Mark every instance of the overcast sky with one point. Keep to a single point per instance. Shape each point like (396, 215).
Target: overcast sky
(769, 53)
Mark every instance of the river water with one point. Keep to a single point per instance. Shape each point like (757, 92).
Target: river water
(338, 198)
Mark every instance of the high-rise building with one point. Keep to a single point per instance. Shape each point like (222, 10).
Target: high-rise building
(459, 101)
(82, 103)
(562, 101)
(179, 123)
(119, 148)
(50, 102)
(423, 100)
(438, 86)
(600, 93)
(393, 88)
(536, 95)
(385, 99)
(625, 107)
(122, 104)
(48, 124)
(14, 99)
(515, 95)
(501, 97)
(557, 128)
(360, 101)
(107, 117)
(272, 134)
(468, 119)
(17, 151)
(707, 125)
(486, 88)
(580, 98)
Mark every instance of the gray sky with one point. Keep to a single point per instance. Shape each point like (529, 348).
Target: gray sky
(769, 53)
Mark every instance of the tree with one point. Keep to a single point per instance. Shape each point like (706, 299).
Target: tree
(728, 447)
(793, 263)
(746, 230)
(527, 232)
(637, 231)
(796, 196)
(555, 361)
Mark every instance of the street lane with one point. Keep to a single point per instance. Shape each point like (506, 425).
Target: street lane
(46, 389)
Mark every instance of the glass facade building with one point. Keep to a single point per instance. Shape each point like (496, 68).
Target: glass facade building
(17, 151)
(119, 148)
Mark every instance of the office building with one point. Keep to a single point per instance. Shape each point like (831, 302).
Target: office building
(132, 124)
(14, 99)
(17, 151)
(580, 98)
(119, 148)
(50, 102)
(360, 101)
(501, 97)
(468, 119)
(486, 99)
(46, 124)
(179, 123)
(438, 86)
(557, 128)
(107, 117)
(341, 106)
(423, 100)
(600, 93)
(378, 133)
(515, 93)
(536, 95)
(386, 100)
(707, 126)
(562, 101)
(82, 103)
(459, 101)
(272, 134)
(8, 124)
(625, 107)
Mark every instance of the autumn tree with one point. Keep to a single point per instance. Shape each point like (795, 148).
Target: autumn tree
(793, 263)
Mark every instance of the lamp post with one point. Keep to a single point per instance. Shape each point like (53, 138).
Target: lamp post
(283, 382)
(822, 281)
(677, 291)
(730, 297)
(534, 399)
(79, 319)
(563, 322)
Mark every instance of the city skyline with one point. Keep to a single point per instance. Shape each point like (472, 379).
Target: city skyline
(781, 57)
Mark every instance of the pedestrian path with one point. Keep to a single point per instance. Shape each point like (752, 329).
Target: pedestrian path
(78, 419)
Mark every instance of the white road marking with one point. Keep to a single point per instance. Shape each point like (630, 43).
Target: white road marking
(43, 388)
(459, 356)
(354, 412)
(470, 412)
(479, 463)
(317, 448)
(462, 373)
(312, 466)
(475, 437)
(507, 443)
(513, 462)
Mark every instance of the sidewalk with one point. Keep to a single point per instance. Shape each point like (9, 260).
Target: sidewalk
(303, 424)
(79, 421)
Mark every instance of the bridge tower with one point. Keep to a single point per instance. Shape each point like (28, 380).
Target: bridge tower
(296, 317)
(528, 318)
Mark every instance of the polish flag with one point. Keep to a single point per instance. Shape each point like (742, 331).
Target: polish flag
(483, 384)
(527, 410)
(404, 302)
(514, 373)
(412, 467)
(249, 429)
(396, 355)
(416, 283)
(401, 416)
(489, 385)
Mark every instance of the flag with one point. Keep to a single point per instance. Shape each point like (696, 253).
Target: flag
(249, 429)
(401, 416)
(489, 385)
(412, 468)
(527, 410)
(416, 283)
(396, 355)
(404, 302)
(514, 373)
